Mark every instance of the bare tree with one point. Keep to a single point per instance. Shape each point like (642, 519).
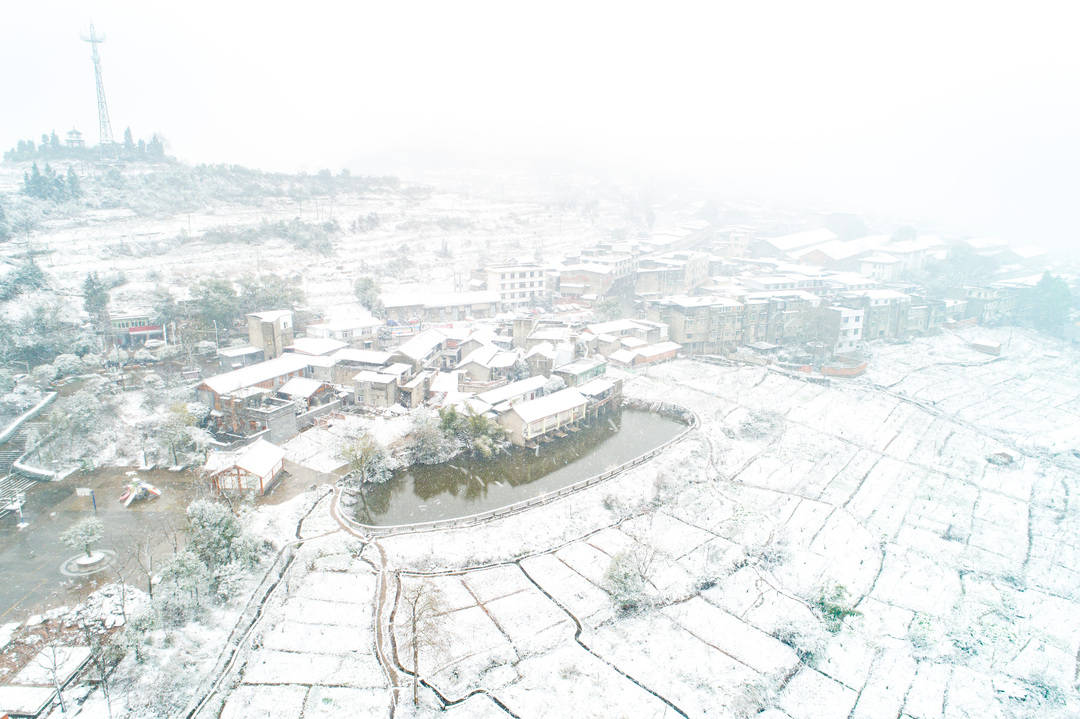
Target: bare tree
(121, 571)
(100, 661)
(144, 557)
(51, 660)
(422, 607)
(144, 553)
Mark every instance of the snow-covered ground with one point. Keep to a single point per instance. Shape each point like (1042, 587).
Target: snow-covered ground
(441, 235)
(813, 551)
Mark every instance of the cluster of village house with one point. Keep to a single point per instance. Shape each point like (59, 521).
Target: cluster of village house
(495, 346)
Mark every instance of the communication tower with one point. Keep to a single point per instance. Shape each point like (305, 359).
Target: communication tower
(104, 126)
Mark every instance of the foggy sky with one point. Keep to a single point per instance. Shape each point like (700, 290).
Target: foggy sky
(966, 113)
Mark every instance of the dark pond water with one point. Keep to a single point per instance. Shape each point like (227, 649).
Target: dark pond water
(462, 486)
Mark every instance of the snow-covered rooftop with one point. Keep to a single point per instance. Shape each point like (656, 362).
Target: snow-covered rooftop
(260, 458)
(615, 327)
(238, 351)
(702, 301)
(371, 357)
(595, 386)
(513, 389)
(374, 377)
(301, 387)
(549, 405)
(657, 349)
(582, 365)
(422, 345)
(880, 259)
(795, 240)
(445, 381)
(271, 315)
(256, 373)
(623, 356)
(315, 345)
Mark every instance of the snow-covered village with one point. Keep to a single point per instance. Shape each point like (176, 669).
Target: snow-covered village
(396, 439)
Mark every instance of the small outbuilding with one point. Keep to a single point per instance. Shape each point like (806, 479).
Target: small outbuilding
(252, 468)
(536, 418)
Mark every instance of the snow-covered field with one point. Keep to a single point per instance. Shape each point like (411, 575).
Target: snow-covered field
(813, 551)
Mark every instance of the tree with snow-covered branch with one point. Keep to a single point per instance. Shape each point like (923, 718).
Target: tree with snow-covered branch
(422, 607)
(628, 579)
(366, 459)
(429, 443)
(83, 534)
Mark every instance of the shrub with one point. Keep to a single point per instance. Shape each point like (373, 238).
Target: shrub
(67, 364)
(627, 580)
(833, 607)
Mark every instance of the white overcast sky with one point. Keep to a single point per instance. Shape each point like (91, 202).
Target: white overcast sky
(964, 112)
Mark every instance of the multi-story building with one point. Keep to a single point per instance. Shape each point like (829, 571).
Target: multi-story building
(621, 264)
(779, 316)
(270, 331)
(586, 280)
(242, 401)
(733, 241)
(881, 266)
(598, 271)
(985, 304)
(706, 324)
(671, 274)
(843, 329)
(519, 285)
(357, 328)
(440, 306)
(885, 312)
(526, 421)
(581, 371)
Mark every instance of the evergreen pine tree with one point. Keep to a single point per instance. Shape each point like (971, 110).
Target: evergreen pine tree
(54, 185)
(5, 231)
(34, 183)
(156, 149)
(129, 143)
(95, 297)
(74, 187)
(54, 141)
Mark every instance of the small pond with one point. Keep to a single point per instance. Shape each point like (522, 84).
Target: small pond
(464, 486)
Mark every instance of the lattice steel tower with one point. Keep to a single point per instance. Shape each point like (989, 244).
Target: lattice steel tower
(104, 126)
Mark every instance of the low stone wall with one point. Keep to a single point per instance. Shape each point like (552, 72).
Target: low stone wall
(308, 418)
(666, 408)
(29, 414)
